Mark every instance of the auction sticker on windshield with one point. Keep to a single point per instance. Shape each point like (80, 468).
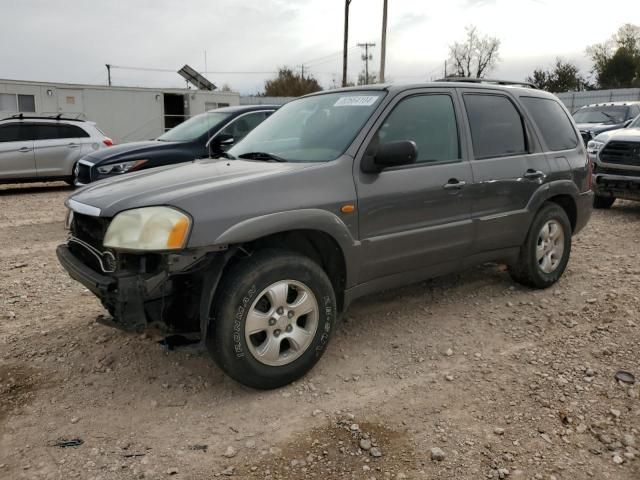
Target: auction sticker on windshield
(356, 101)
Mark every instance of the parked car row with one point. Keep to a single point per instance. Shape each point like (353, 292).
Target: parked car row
(335, 195)
(57, 148)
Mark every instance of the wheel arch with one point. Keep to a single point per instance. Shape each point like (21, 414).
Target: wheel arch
(560, 192)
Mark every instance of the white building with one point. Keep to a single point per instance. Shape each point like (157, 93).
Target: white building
(125, 114)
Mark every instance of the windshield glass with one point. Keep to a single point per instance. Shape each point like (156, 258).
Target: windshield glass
(193, 128)
(312, 129)
(610, 115)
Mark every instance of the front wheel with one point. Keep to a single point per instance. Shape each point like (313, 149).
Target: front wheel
(603, 202)
(272, 320)
(545, 253)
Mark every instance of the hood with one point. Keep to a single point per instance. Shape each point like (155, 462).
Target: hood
(598, 127)
(623, 134)
(128, 151)
(169, 185)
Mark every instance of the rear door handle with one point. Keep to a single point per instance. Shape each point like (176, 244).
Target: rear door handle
(534, 174)
(24, 149)
(454, 184)
(73, 145)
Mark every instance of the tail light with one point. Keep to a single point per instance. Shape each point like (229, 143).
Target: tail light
(108, 142)
(589, 182)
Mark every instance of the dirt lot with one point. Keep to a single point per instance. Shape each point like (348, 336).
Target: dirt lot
(506, 382)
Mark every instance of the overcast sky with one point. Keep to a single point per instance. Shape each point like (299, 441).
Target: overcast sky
(71, 40)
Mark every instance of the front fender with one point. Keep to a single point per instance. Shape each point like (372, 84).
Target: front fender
(305, 219)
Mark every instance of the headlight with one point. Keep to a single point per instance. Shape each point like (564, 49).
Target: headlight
(594, 146)
(149, 228)
(122, 167)
(68, 219)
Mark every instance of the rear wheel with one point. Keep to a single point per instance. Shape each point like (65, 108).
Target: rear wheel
(603, 202)
(272, 319)
(544, 256)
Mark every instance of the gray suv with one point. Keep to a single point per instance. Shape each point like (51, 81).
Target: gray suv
(336, 195)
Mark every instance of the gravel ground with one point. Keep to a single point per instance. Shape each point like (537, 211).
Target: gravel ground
(465, 377)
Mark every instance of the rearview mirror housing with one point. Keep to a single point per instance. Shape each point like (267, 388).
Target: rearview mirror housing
(391, 154)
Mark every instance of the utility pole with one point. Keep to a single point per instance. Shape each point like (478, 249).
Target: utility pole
(383, 46)
(366, 57)
(346, 41)
(108, 74)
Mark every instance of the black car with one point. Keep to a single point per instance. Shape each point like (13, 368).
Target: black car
(594, 119)
(204, 135)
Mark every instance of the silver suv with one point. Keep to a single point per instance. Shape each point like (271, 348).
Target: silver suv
(34, 149)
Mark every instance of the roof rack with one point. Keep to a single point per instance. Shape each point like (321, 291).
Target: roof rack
(486, 80)
(21, 116)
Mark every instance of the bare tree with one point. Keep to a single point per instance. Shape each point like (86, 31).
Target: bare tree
(476, 56)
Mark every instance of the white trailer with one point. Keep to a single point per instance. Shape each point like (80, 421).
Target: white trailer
(125, 114)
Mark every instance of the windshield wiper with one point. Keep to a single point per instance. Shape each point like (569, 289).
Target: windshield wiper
(264, 156)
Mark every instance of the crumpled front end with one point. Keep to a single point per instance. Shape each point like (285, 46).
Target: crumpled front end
(139, 289)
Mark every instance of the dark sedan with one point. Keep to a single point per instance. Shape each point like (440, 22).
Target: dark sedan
(209, 134)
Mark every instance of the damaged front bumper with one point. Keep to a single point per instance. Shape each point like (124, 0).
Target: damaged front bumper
(159, 290)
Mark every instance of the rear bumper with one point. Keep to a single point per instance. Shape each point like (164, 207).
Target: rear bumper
(619, 186)
(584, 204)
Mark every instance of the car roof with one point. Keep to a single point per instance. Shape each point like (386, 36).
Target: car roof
(244, 108)
(521, 87)
(40, 118)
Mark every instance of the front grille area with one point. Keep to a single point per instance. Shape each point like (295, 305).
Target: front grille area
(92, 231)
(621, 153)
(84, 173)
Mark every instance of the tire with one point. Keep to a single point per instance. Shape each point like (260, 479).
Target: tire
(71, 181)
(244, 298)
(544, 255)
(603, 202)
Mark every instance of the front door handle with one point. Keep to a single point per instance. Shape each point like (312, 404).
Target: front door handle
(454, 184)
(73, 145)
(534, 174)
(24, 149)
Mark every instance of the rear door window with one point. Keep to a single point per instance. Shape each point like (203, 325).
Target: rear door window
(554, 124)
(497, 129)
(57, 131)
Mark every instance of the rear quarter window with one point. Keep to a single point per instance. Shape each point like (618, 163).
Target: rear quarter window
(553, 122)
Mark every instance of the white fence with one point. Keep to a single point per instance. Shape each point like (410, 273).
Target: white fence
(575, 100)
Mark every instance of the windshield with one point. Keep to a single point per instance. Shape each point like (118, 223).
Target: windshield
(193, 128)
(611, 115)
(635, 123)
(311, 129)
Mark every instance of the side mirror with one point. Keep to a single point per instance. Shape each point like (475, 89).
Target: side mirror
(221, 143)
(391, 154)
